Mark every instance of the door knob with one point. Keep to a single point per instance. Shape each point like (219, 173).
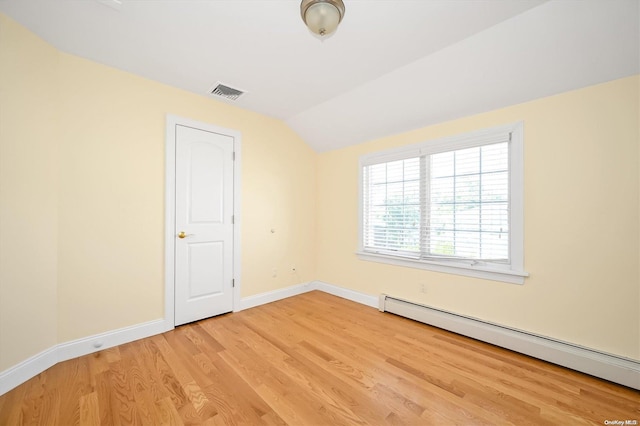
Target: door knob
(182, 234)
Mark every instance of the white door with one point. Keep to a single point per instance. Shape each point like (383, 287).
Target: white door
(204, 224)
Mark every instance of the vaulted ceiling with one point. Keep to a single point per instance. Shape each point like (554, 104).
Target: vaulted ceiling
(392, 65)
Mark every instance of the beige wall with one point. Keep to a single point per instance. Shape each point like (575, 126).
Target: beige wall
(28, 194)
(85, 189)
(581, 223)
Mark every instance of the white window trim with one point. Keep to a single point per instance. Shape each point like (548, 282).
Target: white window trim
(514, 272)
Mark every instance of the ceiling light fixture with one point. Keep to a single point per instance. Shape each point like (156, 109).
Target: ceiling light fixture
(322, 16)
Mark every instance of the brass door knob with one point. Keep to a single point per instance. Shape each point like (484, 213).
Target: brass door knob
(182, 234)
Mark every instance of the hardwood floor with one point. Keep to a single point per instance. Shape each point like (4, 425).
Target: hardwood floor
(313, 359)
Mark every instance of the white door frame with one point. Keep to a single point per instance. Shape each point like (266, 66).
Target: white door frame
(169, 216)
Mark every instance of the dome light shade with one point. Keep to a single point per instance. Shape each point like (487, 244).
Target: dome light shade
(322, 16)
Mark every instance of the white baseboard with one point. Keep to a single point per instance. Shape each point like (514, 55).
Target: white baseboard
(273, 296)
(624, 371)
(283, 293)
(27, 369)
(345, 293)
(38, 363)
(98, 342)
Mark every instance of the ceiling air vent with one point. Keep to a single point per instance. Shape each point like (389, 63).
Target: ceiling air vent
(226, 92)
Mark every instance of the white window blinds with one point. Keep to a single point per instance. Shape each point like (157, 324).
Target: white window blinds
(439, 204)
(467, 204)
(393, 206)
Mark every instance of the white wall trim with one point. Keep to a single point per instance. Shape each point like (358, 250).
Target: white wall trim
(275, 295)
(27, 369)
(38, 363)
(283, 293)
(624, 371)
(345, 293)
(169, 217)
(467, 270)
(98, 342)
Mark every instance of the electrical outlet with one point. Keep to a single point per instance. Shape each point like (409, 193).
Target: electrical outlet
(423, 288)
(274, 272)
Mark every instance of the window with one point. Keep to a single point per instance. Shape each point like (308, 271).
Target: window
(451, 205)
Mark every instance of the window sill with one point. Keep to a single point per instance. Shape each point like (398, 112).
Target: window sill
(475, 271)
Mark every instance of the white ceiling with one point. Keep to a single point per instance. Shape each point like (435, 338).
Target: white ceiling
(392, 65)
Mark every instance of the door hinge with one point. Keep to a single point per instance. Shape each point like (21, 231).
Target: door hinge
(234, 156)
(233, 219)
(233, 283)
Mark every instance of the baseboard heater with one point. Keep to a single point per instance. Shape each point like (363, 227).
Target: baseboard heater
(624, 371)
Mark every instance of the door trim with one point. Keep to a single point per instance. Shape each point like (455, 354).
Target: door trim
(169, 217)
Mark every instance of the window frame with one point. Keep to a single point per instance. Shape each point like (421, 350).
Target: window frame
(512, 272)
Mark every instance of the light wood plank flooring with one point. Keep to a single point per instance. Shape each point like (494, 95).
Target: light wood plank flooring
(313, 359)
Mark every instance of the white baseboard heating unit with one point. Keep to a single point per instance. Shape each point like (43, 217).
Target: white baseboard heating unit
(624, 371)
